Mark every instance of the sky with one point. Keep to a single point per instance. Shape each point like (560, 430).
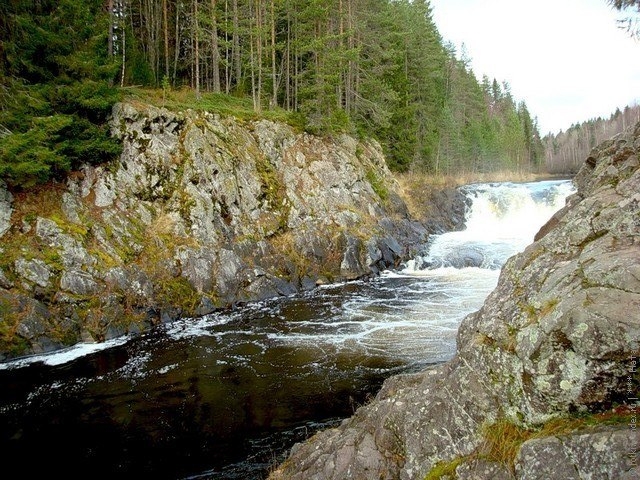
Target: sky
(567, 59)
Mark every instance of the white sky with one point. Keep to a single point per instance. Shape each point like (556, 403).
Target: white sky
(567, 59)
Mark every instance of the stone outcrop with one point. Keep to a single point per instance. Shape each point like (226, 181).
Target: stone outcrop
(555, 344)
(200, 212)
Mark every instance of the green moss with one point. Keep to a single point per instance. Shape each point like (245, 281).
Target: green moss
(378, 185)
(290, 260)
(185, 205)
(105, 261)
(445, 470)
(503, 439)
(531, 312)
(51, 256)
(12, 248)
(273, 193)
(177, 292)
(64, 332)
(10, 341)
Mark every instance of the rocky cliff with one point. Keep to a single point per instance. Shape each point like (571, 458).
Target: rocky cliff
(200, 212)
(544, 383)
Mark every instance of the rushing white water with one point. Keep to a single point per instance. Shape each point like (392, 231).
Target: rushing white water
(412, 315)
(459, 269)
(502, 221)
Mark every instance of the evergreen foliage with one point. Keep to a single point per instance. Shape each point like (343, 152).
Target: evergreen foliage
(367, 67)
(55, 92)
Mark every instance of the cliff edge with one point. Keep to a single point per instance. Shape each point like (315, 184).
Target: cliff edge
(544, 383)
(200, 212)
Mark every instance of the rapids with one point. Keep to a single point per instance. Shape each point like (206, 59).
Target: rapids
(224, 396)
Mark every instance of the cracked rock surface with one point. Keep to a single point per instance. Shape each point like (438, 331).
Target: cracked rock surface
(199, 212)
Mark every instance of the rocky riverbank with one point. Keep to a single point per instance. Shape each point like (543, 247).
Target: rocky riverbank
(200, 212)
(545, 378)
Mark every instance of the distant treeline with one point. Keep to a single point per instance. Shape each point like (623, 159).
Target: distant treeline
(367, 67)
(567, 151)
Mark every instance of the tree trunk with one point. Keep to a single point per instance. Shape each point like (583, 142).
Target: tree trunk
(340, 89)
(236, 44)
(215, 55)
(123, 33)
(252, 57)
(274, 77)
(196, 48)
(165, 18)
(227, 50)
(177, 40)
(110, 39)
(259, 43)
(351, 68)
(287, 81)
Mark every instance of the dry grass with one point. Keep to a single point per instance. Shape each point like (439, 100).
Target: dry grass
(40, 201)
(503, 439)
(466, 178)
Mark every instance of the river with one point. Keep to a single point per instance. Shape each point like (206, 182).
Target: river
(226, 395)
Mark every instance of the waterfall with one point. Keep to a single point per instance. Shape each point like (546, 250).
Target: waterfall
(501, 221)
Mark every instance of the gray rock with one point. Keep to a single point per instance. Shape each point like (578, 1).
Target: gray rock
(48, 231)
(32, 320)
(6, 209)
(240, 210)
(79, 283)
(35, 271)
(605, 454)
(351, 266)
(71, 207)
(132, 281)
(72, 253)
(4, 281)
(480, 469)
(197, 266)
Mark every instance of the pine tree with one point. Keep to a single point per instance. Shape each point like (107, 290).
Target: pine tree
(57, 78)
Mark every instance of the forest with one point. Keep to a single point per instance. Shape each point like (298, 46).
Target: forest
(566, 151)
(365, 67)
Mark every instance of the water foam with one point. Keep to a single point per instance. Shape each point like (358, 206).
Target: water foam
(502, 220)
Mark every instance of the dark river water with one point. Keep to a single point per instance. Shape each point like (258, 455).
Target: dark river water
(225, 396)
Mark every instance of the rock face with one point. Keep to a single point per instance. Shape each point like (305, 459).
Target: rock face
(199, 212)
(558, 339)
